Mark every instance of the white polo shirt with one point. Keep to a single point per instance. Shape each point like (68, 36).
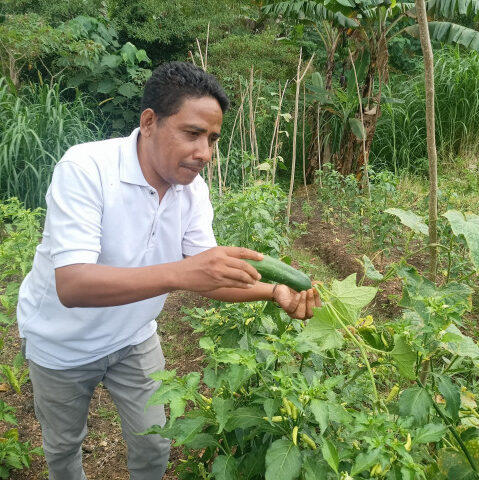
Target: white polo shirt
(100, 209)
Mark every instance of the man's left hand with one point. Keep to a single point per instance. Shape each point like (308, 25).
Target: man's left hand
(298, 305)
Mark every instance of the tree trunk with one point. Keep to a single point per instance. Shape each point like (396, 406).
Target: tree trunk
(351, 157)
(430, 132)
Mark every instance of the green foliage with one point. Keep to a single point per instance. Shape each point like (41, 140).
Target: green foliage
(271, 58)
(167, 30)
(258, 216)
(38, 127)
(14, 454)
(287, 400)
(111, 73)
(20, 231)
(53, 12)
(399, 141)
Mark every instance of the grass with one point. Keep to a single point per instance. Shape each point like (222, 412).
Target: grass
(312, 265)
(400, 140)
(38, 127)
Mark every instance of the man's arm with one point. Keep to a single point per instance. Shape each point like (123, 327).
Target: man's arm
(95, 285)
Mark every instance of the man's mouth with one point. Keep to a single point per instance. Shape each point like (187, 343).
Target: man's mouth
(193, 168)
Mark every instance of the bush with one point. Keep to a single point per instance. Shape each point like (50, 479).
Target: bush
(252, 218)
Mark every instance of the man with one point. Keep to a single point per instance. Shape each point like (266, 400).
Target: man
(129, 220)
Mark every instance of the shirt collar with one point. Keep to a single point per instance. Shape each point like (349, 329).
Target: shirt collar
(130, 170)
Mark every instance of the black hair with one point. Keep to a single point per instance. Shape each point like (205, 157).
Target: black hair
(172, 82)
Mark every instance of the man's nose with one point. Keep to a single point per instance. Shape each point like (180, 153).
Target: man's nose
(204, 150)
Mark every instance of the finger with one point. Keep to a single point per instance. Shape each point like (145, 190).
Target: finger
(294, 302)
(245, 267)
(240, 275)
(244, 253)
(309, 304)
(317, 298)
(301, 309)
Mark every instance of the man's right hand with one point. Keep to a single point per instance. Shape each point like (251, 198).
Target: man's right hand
(218, 267)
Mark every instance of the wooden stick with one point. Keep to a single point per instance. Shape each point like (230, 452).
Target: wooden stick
(299, 79)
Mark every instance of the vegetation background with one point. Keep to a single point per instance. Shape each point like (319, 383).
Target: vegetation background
(328, 103)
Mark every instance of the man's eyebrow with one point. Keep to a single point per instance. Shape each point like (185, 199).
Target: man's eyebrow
(201, 130)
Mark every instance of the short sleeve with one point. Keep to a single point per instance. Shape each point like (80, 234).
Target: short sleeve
(199, 234)
(74, 214)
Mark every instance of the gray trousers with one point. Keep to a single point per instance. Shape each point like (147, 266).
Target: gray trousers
(62, 399)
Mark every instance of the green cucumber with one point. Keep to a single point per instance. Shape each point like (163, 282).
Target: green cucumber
(274, 270)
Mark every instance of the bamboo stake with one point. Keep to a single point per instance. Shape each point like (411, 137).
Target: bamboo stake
(220, 190)
(276, 131)
(366, 174)
(304, 151)
(231, 139)
(252, 132)
(299, 79)
(430, 132)
(319, 146)
(254, 119)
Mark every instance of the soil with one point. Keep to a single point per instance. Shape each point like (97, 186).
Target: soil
(104, 451)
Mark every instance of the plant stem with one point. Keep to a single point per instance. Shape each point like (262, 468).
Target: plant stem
(453, 360)
(449, 260)
(361, 349)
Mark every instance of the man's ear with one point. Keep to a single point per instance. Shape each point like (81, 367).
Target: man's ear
(147, 122)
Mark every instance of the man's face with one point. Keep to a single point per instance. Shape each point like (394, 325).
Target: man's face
(175, 150)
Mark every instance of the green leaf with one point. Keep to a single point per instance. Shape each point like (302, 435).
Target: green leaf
(183, 430)
(404, 356)
(128, 90)
(330, 454)
(106, 86)
(207, 343)
(452, 8)
(243, 418)
(312, 468)
(253, 464)
(457, 343)
(451, 33)
(468, 226)
(322, 330)
(111, 61)
(283, 460)
(350, 299)
(321, 413)
(193, 380)
(271, 406)
(415, 402)
(370, 271)
(451, 393)
(177, 408)
(202, 440)
(225, 467)
(411, 220)
(141, 56)
(223, 409)
(357, 128)
(364, 461)
(174, 394)
(128, 53)
(430, 433)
